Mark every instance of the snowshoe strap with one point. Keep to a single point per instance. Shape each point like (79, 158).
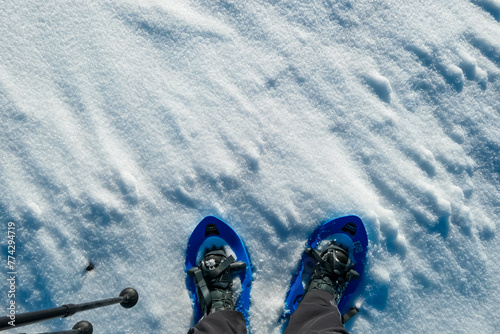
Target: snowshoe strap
(201, 274)
(350, 274)
(315, 255)
(349, 314)
(220, 268)
(202, 285)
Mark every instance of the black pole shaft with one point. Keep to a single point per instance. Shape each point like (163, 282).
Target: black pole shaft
(28, 318)
(92, 305)
(33, 317)
(81, 327)
(128, 298)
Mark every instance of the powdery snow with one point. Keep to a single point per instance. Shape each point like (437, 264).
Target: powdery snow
(124, 123)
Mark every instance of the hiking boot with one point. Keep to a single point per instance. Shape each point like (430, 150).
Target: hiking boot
(333, 271)
(214, 281)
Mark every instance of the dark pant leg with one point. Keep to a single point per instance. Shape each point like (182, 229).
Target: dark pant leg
(317, 313)
(221, 322)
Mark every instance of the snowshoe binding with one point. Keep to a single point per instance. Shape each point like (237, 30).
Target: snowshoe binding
(333, 271)
(214, 281)
(334, 258)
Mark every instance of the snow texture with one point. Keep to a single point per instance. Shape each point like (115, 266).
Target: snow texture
(123, 123)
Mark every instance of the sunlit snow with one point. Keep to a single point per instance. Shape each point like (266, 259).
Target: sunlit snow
(123, 123)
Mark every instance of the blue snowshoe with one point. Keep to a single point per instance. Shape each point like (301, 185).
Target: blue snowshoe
(216, 258)
(333, 261)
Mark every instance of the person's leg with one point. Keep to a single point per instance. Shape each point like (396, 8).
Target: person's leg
(317, 313)
(225, 321)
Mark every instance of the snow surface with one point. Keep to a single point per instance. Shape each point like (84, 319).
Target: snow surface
(123, 123)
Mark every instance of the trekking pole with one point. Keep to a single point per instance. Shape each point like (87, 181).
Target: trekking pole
(82, 327)
(128, 298)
